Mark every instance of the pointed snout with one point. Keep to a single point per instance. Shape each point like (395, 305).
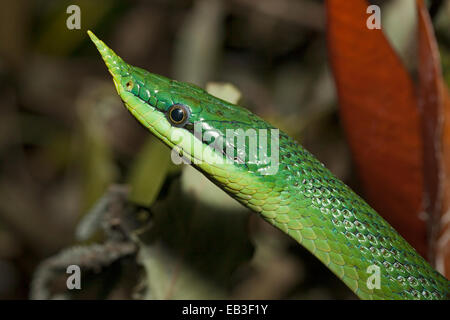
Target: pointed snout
(116, 66)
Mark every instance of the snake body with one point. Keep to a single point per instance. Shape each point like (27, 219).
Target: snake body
(303, 199)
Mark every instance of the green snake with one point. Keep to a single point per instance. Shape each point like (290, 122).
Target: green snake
(303, 199)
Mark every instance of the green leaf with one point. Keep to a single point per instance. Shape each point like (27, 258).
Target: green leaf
(149, 171)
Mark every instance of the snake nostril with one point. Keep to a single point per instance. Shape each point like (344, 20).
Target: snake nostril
(129, 85)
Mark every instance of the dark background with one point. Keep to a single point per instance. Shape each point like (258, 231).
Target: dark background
(65, 137)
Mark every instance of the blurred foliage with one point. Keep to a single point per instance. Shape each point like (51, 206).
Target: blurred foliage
(65, 138)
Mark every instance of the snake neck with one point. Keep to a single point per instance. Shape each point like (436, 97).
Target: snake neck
(308, 203)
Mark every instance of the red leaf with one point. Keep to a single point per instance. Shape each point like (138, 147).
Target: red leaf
(442, 239)
(379, 113)
(435, 109)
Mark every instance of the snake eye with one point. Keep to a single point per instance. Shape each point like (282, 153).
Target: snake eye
(178, 114)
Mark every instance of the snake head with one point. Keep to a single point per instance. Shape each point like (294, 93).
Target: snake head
(182, 115)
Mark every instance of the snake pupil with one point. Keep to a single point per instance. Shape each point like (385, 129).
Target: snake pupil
(178, 114)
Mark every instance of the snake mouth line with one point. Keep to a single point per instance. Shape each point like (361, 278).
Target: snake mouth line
(190, 127)
(163, 137)
(174, 146)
